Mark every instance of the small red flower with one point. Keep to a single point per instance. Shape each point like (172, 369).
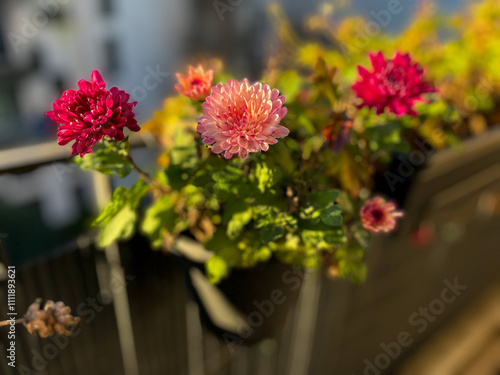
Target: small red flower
(393, 84)
(91, 113)
(196, 84)
(378, 215)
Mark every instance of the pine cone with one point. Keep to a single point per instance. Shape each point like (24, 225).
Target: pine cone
(53, 318)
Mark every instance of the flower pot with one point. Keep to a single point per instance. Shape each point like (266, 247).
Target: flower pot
(249, 305)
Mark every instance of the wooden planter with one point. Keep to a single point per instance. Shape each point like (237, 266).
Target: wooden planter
(251, 304)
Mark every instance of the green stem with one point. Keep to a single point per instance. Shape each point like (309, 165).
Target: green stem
(146, 177)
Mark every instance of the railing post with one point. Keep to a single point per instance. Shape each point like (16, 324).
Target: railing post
(102, 190)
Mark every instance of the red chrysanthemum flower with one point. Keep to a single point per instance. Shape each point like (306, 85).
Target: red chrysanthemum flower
(90, 113)
(393, 84)
(378, 215)
(239, 118)
(196, 84)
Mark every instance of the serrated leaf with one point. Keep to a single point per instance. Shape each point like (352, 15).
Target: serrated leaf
(107, 157)
(231, 184)
(121, 198)
(121, 226)
(332, 215)
(117, 220)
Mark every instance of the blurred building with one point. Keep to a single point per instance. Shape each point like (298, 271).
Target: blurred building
(48, 45)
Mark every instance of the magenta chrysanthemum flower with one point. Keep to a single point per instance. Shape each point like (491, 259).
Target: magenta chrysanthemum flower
(90, 113)
(378, 215)
(239, 118)
(393, 84)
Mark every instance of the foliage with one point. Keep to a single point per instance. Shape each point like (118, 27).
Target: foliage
(108, 157)
(117, 220)
(300, 200)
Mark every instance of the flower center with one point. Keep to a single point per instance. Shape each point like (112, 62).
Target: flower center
(97, 113)
(196, 82)
(377, 214)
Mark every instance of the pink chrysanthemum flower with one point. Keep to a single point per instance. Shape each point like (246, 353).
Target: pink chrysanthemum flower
(393, 84)
(378, 215)
(239, 118)
(196, 84)
(90, 113)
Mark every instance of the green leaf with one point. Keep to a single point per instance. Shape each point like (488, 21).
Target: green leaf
(280, 155)
(260, 254)
(332, 215)
(117, 220)
(229, 174)
(107, 157)
(265, 177)
(322, 239)
(158, 219)
(121, 226)
(387, 137)
(310, 213)
(217, 269)
(322, 198)
(177, 176)
(206, 169)
(224, 247)
(231, 184)
(121, 198)
(238, 222)
(271, 233)
(183, 149)
(312, 145)
(273, 223)
(321, 211)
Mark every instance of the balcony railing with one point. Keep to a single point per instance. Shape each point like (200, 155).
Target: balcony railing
(151, 324)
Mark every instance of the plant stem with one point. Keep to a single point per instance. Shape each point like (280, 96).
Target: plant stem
(7, 322)
(199, 143)
(146, 177)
